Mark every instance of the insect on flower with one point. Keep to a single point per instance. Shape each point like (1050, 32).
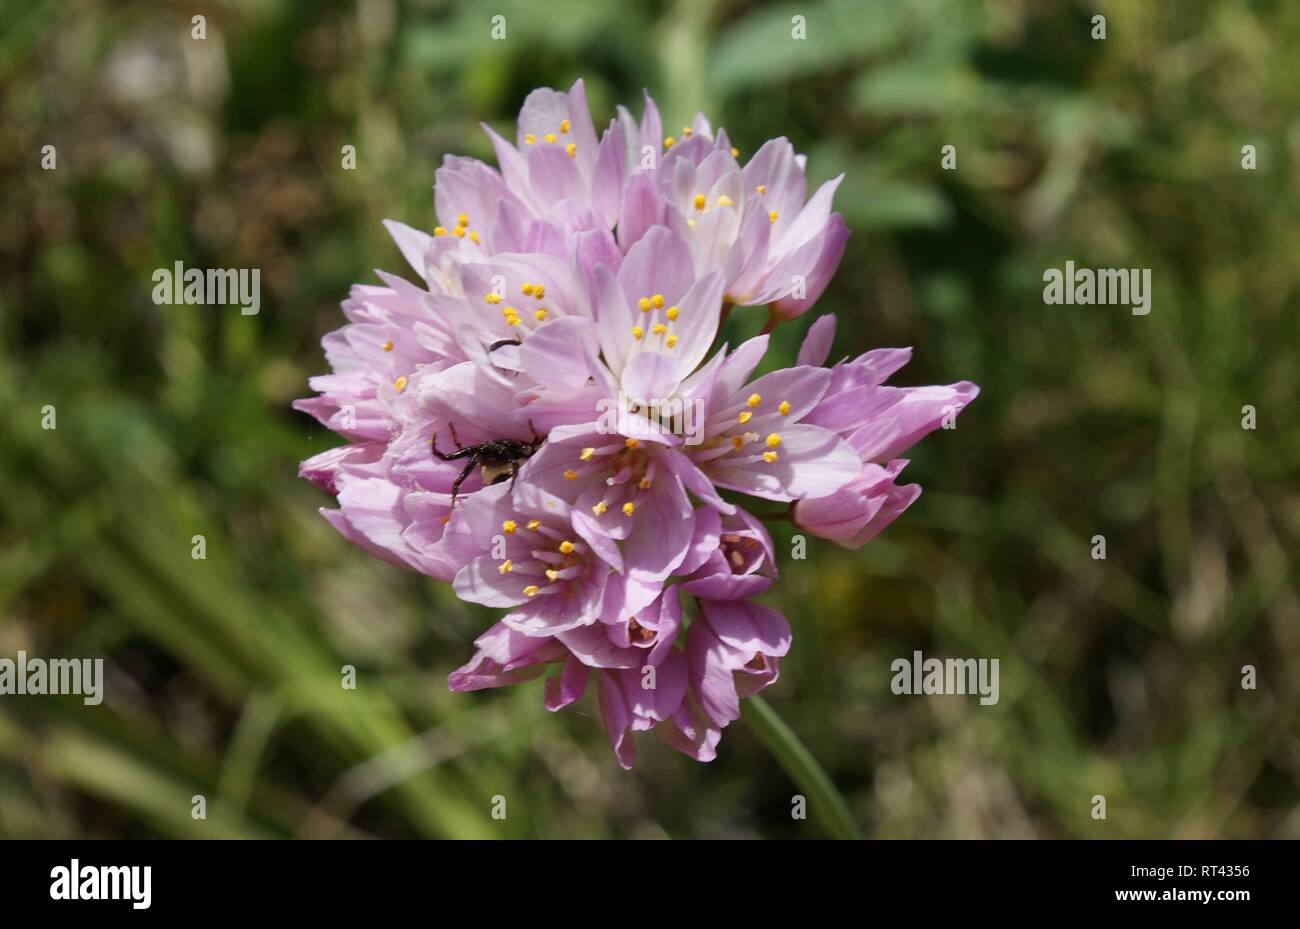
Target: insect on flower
(496, 459)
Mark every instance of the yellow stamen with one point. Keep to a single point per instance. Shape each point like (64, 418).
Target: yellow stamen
(570, 474)
(700, 201)
(658, 328)
(772, 440)
(564, 126)
(492, 298)
(644, 483)
(631, 443)
(657, 301)
(744, 417)
(735, 152)
(668, 141)
(459, 232)
(587, 453)
(534, 524)
(530, 138)
(672, 312)
(644, 304)
(784, 408)
(600, 508)
(399, 384)
(509, 527)
(670, 341)
(771, 217)
(637, 332)
(761, 188)
(737, 442)
(438, 230)
(527, 290)
(571, 149)
(462, 219)
(387, 346)
(629, 508)
(539, 291)
(506, 567)
(531, 590)
(552, 574)
(540, 314)
(566, 547)
(769, 457)
(724, 200)
(754, 400)
(688, 131)
(549, 137)
(473, 236)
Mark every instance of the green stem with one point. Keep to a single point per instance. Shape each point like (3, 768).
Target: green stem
(824, 801)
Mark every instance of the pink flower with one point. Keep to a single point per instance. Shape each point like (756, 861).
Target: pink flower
(558, 353)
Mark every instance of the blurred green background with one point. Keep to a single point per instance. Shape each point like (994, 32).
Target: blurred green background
(1119, 677)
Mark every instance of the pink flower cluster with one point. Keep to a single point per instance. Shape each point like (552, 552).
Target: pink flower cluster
(589, 275)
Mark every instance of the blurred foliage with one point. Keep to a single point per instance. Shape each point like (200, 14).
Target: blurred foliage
(1118, 677)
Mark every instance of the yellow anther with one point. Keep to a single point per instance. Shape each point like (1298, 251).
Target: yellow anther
(691, 223)
(771, 217)
(506, 566)
(570, 474)
(552, 575)
(761, 189)
(631, 443)
(629, 508)
(534, 524)
(772, 440)
(571, 149)
(549, 137)
(539, 291)
(637, 332)
(699, 201)
(587, 453)
(657, 301)
(735, 152)
(668, 141)
(644, 304)
(492, 298)
(462, 219)
(566, 547)
(784, 408)
(564, 126)
(527, 290)
(509, 527)
(769, 457)
(540, 314)
(737, 442)
(399, 384)
(508, 311)
(671, 340)
(644, 483)
(744, 417)
(530, 138)
(754, 400)
(688, 131)
(473, 236)
(459, 232)
(531, 590)
(387, 346)
(724, 200)
(658, 328)
(600, 508)
(438, 230)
